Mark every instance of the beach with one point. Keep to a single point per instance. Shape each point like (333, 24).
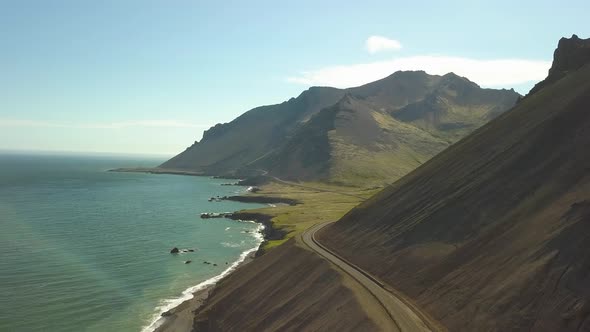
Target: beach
(180, 318)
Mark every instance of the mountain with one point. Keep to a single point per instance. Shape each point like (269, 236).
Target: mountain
(492, 234)
(361, 135)
(570, 55)
(351, 142)
(226, 147)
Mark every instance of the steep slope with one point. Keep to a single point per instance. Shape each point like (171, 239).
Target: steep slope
(455, 108)
(492, 234)
(570, 54)
(397, 90)
(318, 136)
(306, 294)
(226, 147)
(352, 143)
(381, 131)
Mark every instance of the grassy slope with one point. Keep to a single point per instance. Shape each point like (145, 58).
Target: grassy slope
(305, 293)
(252, 135)
(492, 233)
(399, 148)
(325, 204)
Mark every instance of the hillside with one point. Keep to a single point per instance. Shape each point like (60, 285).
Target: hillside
(358, 136)
(352, 143)
(307, 295)
(226, 147)
(492, 234)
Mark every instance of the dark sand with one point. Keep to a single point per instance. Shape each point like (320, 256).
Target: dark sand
(181, 317)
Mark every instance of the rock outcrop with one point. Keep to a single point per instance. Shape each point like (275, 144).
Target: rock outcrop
(571, 54)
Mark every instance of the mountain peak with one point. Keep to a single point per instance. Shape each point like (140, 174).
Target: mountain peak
(403, 75)
(452, 75)
(454, 78)
(348, 101)
(570, 55)
(316, 91)
(347, 98)
(407, 73)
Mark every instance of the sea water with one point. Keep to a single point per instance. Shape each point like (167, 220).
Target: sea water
(83, 249)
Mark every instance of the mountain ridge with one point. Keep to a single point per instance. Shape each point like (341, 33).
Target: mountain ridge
(264, 137)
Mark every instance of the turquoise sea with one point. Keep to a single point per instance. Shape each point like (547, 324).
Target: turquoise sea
(83, 249)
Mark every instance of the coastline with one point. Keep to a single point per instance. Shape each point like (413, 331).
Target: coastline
(153, 170)
(269, 232)
(290, 204)
(180, 318)
(177, 315)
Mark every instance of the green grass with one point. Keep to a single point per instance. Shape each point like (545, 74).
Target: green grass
(316, 206)
(401, 149)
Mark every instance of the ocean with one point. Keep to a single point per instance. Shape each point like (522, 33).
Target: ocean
(83, 249)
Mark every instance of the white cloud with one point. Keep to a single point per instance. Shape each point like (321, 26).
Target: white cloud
(376, 44)
(487, 73)
(107, 125)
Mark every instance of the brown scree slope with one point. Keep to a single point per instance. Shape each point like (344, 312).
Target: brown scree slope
(288, 289)
(493, 234)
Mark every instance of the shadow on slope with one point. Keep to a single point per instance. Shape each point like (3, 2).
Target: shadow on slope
(489, 235)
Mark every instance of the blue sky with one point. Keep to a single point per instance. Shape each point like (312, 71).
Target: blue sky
(149, 76)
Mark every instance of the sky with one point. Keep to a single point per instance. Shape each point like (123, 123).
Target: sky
(147, 77)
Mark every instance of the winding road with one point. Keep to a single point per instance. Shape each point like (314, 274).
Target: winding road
(403, 316)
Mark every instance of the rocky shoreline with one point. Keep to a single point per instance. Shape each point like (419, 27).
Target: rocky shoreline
(269, 232)
(153, 170)
(181, 317)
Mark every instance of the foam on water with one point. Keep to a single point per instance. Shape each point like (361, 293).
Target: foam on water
(86, 249)
(187, 294)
